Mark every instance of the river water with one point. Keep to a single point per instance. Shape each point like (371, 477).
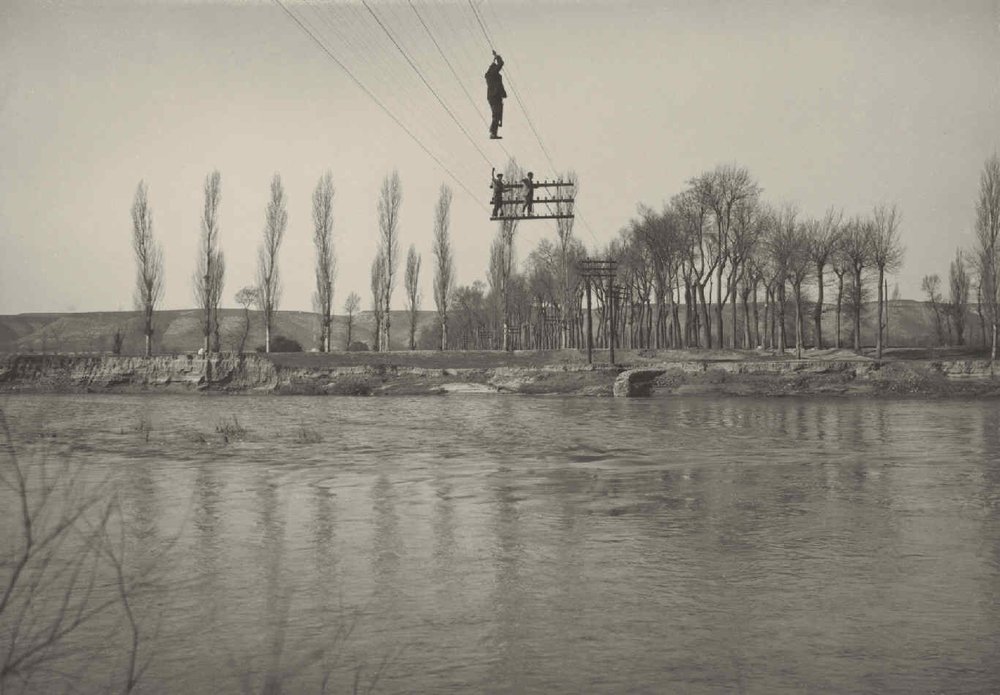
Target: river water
(518, 544)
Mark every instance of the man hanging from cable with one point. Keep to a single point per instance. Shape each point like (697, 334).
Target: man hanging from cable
(495, 94)
(496, 183)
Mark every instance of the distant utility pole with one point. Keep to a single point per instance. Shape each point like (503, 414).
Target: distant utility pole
(598, 269)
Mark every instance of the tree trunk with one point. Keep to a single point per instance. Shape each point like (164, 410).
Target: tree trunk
(246, 329)
(982, 318)
(781, 319)
(675, 319)
(690, 313)
(706, 320)
(732, 290)
(747, 333)
(887, 312)
(818, 311)
(840, 304)
(769, 322)
(881, 299)
(857, 312)
(718, 310)
(766, 341)
(799, 322)
(385, 330)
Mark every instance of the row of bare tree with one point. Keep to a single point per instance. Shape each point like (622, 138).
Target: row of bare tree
(383, 269)
(209, 276)
(717, 237)
(265, 294)
(715, 250)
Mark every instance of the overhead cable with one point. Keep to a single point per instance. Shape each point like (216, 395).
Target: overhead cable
(424, 80)
(377, 101)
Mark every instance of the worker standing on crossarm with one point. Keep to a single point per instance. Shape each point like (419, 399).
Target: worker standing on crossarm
(495, 93)
(497, 185)
(528, 183)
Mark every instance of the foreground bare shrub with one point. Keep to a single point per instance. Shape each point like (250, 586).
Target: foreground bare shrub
(64, 576)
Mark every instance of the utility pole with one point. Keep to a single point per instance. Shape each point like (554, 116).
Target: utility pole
(597, 269)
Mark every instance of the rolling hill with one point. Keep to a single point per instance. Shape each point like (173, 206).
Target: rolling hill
(911, 324)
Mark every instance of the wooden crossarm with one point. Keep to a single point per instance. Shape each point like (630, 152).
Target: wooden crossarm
(538, 184)
(513, 201)
(533, 217)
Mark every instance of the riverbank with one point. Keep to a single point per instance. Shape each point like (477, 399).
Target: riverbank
(565, 372)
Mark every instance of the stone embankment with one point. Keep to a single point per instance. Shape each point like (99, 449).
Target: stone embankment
(231, 373)
(791, 377)
(255, 373)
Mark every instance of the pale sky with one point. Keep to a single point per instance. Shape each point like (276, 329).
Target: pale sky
(826, 103)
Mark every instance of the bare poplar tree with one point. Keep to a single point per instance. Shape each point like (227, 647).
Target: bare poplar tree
(564, 228)
(389, 201)
(149, 263)
(216, 284)
(268, 278)
(351, 306)
(444, 266)
(958, 280)
(499, 276)
(505, 236)
(378, 301)
(411, 281)
(887, 256)
(979, 302)
(325, 262)
(988, 249)
(208, 277)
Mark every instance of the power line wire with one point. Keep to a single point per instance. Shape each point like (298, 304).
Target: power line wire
(352, 25)
(453, 71)
(414, 38)
(372, 49)
(510, 83)
(377, 101)
(428, 84)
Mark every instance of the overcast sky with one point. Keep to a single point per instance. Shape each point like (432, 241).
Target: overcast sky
(827, 103)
